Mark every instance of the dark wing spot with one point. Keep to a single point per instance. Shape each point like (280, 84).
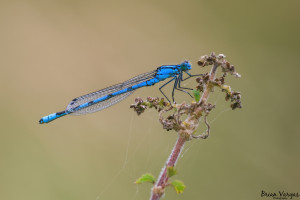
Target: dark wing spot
(73, 101)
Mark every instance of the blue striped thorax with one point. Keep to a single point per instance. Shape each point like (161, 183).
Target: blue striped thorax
(167, 71)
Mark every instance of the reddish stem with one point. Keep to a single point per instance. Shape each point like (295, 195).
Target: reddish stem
(163, 178)
(158, 189)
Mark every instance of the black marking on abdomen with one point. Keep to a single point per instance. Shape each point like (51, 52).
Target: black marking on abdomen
(60, 113)
(90, 103)
(75, 109)
(129, 89)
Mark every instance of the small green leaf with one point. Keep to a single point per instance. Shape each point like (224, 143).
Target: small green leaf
(145, 178)
(196, 95)
(171, 171)
(178, 186)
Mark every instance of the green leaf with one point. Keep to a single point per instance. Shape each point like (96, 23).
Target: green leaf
(145, 178)
(171, 171)
(196, 95)
(178, 186)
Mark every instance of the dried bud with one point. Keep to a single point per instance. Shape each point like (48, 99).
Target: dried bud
(202, 61)
(151, 102)
(208, 107)
(158, 190)
(138, 107)
(236, 105)
(168, 123)
(221, 56)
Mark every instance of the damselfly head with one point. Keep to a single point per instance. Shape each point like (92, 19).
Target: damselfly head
(185, 66)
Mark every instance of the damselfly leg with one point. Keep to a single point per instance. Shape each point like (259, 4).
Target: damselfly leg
(164, 86)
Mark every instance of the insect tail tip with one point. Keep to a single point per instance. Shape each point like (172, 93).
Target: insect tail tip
(41, 121)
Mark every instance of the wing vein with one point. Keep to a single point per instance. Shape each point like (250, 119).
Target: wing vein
(106, 91)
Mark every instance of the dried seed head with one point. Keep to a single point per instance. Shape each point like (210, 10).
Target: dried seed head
(138, 107)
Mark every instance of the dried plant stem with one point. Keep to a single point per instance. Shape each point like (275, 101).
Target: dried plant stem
(212, 76)
(186, 128)
(184, 134)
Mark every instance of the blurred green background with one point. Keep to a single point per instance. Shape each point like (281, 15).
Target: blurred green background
(53, 51)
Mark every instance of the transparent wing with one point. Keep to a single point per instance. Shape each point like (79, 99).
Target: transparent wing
(109, 90)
